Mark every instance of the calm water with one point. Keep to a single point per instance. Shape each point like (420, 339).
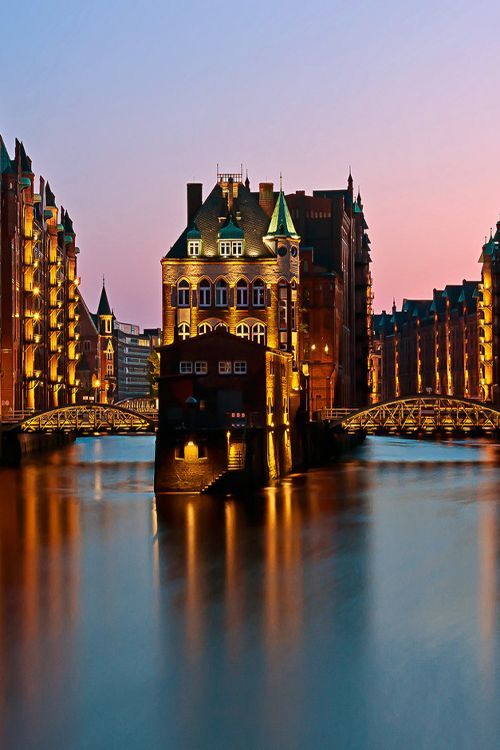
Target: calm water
(353, 607)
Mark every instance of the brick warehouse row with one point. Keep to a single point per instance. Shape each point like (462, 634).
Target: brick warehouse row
(448, 344)
(39, 292)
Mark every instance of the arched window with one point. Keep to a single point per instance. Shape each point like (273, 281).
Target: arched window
(221, 293)
(242, 293)
(259, 333)
(258, 293)
(282, 307)
(184, 331)
(220, 324)
(183, 293)
(481, 332)
(243, 331)
(204, 328)
(205, 293)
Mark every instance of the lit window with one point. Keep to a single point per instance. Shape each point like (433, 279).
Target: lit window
(183, 293)
(109, 356)
(237, 247)
(225, 248)
(204, 328)
(201, 367)
(282, 308)
(109, 369)
(258, 293)
(184, 331)
(185, 367)
(224, 367)
(205, 291)
(240, 367)
(221, 293)
(194, 247)
(259, 333)
(242, 293)
(243, 330)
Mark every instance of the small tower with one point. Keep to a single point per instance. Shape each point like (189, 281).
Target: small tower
(107, 379)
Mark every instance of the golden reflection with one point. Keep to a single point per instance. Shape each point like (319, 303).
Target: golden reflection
(194, 620)
(233, 602)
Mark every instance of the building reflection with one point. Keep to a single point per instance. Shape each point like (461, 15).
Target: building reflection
(248, 565)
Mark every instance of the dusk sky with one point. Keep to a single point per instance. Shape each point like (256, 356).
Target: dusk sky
(121, 103)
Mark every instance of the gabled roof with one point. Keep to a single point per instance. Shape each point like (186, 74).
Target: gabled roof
(247, 212)
(104, 307)
(6, 166)
(281, 224)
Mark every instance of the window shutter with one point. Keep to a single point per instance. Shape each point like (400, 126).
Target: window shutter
(174, 296)
(231, 296)
(269, 296)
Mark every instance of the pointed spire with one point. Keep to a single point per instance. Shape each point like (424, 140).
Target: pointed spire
(350, 182)
(281, 224)
(247, 181)
(104, 306)
(24, 158)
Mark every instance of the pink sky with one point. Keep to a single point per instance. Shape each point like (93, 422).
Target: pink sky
(120, 106)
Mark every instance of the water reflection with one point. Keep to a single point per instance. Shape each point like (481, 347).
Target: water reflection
(352, 607)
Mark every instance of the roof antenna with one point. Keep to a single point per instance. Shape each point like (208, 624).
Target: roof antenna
(281, 183)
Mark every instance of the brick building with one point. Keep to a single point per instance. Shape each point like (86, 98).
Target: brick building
(448, 344)
(39, 292)
(222, 397)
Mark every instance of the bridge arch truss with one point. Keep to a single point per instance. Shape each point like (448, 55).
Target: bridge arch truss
(425, 414)
(87, 420)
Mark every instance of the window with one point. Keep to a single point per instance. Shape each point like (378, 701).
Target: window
(221, 293)
(109, 356)
(242, 293)
(184, 331)
(201, 367)
(185, 367)
(109, 369)
(183, 293)
(86, 346)
(204, 328)
(237, 248)
(258, 293)
(225, 248)
(259, 333)
(220, 324)
(243, 330)
(205, 290)
(107, 325)
(194, 247)
(282, 308)
(224, 367)
(294, 316)
(240, 367)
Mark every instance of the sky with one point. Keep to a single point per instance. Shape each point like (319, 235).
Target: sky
(120, 103)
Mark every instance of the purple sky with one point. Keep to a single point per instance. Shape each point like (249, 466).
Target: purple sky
(121, 103)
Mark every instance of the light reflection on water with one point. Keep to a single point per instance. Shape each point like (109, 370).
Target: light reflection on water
(355, 606)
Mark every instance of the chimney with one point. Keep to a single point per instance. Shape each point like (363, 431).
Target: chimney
(194, 200)
(266, 197)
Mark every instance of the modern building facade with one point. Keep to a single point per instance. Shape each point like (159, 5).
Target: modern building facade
(448, 344)
(39, 292)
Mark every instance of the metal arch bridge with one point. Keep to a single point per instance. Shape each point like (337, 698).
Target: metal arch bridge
(88, 419)
(145, 405)
(419, 414)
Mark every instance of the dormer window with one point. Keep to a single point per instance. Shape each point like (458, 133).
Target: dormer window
(194, 247)
(237, 247)
(225, 248)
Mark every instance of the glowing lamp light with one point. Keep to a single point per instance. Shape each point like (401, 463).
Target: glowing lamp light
(313, 348)
(190, 444)
(36, 316)
(36, 290)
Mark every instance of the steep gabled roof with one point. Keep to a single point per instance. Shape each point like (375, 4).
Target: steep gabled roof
(281, 224)
(6, 166)
(250, 218)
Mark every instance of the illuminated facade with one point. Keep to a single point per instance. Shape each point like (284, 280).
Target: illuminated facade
(39, 292)
(449, 344)
(235, 265)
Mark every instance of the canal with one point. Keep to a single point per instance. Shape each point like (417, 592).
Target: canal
(356, 606)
